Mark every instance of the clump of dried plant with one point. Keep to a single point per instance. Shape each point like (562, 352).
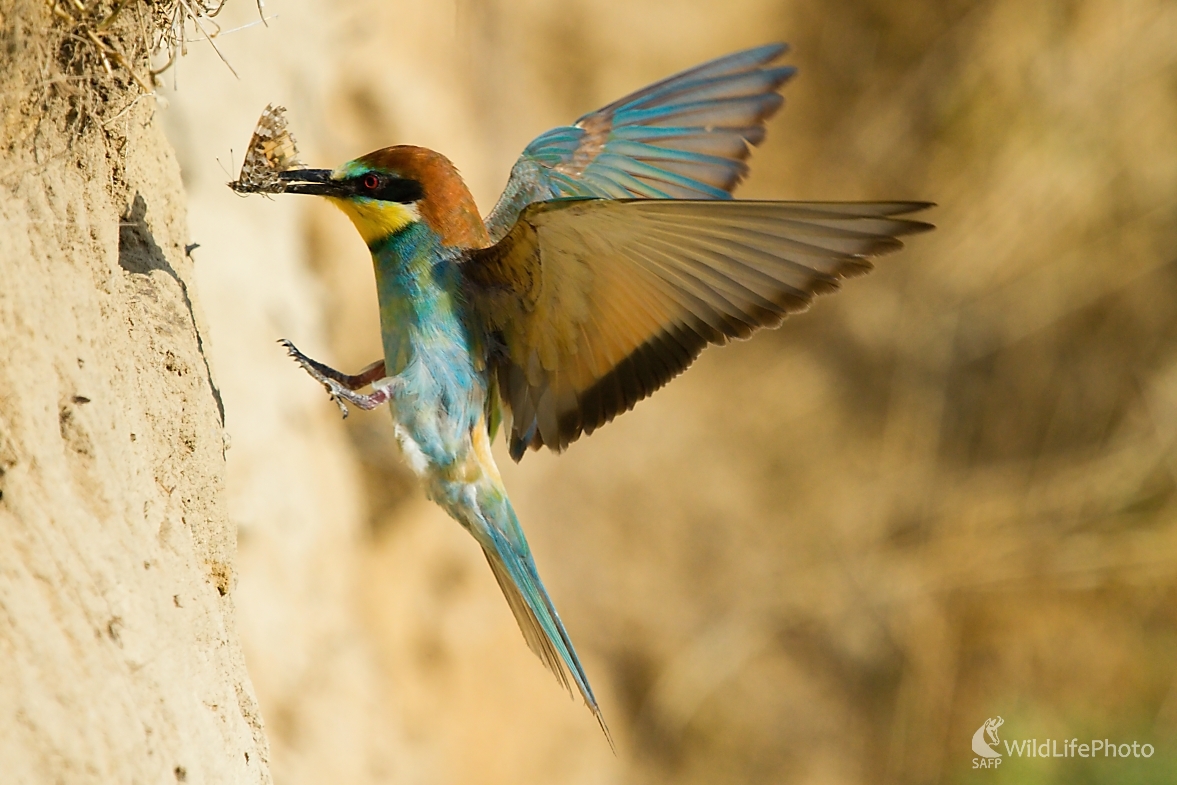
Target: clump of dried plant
(96, 54)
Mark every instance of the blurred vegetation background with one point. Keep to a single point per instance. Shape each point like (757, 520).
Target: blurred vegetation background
(826, 555)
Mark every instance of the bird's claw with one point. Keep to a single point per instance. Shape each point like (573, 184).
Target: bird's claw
(333, 388)
(335, 391)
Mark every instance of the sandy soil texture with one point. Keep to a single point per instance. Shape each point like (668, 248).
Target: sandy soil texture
(119, 654)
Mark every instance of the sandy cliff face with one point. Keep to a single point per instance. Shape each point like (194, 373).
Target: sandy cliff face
(119, 654)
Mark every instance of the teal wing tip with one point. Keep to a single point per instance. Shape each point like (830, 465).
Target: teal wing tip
(765, 53)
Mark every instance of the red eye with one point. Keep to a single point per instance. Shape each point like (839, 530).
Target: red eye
(371, 182)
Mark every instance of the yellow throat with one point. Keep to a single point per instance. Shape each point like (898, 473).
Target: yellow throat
(375, 220)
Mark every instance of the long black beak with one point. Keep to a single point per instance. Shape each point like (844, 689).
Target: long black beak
(316, 182)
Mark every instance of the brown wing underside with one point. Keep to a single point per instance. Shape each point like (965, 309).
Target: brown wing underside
(598, 303)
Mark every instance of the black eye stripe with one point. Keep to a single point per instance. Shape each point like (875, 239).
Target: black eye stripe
(390, 189)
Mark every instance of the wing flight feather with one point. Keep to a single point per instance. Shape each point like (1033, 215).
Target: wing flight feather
(596, 303)
(685, 137)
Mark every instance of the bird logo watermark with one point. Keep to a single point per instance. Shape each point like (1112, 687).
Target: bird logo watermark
(991, 750)
(983, 741)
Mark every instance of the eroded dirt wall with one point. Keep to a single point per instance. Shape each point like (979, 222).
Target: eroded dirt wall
(119, 658)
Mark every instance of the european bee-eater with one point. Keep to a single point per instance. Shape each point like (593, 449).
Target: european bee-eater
(613, 257)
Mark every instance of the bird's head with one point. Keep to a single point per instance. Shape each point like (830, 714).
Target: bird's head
(386, 191)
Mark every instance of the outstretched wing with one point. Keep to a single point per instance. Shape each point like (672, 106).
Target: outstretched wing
(685, 137)
(595, 303)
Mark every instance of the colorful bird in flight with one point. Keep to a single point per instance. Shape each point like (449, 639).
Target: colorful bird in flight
(613, 257)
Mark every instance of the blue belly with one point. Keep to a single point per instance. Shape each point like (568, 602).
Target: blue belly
(440, 387)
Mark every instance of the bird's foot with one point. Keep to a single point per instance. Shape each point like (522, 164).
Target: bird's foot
(319, 373)
(342, 387)
(336, 392)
